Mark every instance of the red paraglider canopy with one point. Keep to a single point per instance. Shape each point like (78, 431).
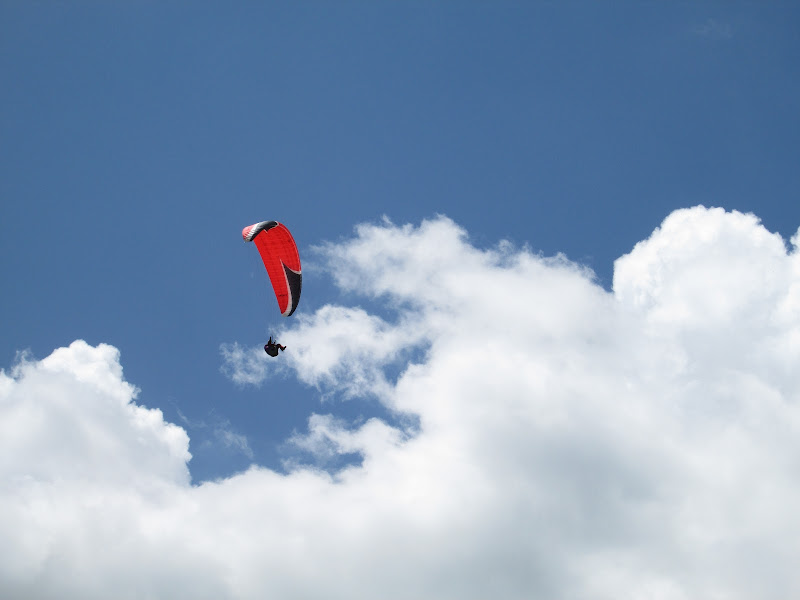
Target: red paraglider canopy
(279, 252)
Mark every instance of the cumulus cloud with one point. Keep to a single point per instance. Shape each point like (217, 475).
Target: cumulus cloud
(567, 441)
(71, 416)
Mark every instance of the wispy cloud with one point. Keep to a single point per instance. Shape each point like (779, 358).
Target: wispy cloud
(244, 366)
(713, 30)
(231, 439)
(222, 430)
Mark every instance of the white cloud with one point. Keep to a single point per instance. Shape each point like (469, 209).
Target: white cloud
(243, 365)
(71, 416)
(231, 439)
(570, 442)
(713, 30)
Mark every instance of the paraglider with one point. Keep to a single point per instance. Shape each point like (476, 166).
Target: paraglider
(278, 251)
(272, 348)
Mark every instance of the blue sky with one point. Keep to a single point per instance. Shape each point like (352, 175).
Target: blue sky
(138, 138)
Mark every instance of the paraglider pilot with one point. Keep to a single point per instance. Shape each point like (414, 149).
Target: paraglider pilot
(272, 348)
